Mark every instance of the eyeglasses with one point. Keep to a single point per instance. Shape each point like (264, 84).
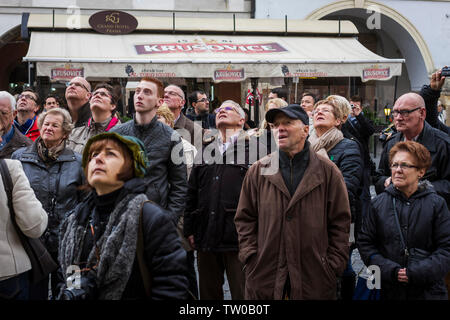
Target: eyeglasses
(402, 166)
(227, 108)
(404, 113)
(173, 94)
(77, 84)
(203, 100)
(26, 96)
(321, 111)
(101, 94)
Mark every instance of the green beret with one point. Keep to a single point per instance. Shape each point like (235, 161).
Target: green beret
(135, 145)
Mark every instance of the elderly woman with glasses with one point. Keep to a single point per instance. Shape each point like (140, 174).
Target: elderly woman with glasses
(407, 230)
(103, 105)
(55, 173)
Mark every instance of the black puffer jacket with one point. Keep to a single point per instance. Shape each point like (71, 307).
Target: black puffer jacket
(213, 196)
(438, 144)
(425, 222)
(166, 181)
(55, 186)
(346, 155)
(163, 254)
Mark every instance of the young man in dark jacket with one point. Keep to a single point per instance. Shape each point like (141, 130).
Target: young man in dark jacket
(165, 179)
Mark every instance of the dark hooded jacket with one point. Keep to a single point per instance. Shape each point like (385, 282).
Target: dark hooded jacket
(425, 224)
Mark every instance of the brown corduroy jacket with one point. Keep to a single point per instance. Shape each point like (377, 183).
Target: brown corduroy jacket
(305, 236)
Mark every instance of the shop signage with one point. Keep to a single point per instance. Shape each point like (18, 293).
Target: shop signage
(113, 22)
(376, 73)
(66, 73)
(151, 72)
(209, 46)
(229, 74)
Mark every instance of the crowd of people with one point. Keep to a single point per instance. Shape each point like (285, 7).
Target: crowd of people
(164, 205)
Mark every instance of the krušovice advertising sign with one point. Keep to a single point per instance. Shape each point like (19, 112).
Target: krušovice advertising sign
(218, 57)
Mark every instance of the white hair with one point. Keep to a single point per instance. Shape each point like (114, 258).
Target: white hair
(7, 95)
(237, 106)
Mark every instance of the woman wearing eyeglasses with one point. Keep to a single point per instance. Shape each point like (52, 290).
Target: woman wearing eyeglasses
(103, 106)
(407, 230)
(55, 173)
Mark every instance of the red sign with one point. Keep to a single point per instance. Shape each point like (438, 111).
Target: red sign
(208, 47)
(376, 73)
(66, 73)
(230, 74)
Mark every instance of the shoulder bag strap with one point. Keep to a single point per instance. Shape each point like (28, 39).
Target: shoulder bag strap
(145, 273)
(8, 185)
(397, 221)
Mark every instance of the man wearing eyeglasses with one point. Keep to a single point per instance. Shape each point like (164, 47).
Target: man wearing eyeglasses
(175, 100)
(200, 103)
(26, 120)
(11, 139)
(78, 93)
(409, 118)
(213, 195)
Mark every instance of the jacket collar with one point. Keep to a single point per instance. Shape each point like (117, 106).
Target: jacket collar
(425, 137)
(311, 179)
(31, 155)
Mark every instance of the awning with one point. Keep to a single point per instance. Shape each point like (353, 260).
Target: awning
(63, 55)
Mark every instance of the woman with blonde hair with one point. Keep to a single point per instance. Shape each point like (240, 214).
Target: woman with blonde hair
(328, 140)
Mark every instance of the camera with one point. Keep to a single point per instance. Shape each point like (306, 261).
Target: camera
(85, 291)
(445, 72)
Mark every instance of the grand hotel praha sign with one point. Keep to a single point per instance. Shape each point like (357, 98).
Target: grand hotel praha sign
(113, 22)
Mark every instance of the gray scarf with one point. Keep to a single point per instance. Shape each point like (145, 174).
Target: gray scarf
(117, 246)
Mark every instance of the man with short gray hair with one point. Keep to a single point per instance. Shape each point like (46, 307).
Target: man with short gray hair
(78, 94)
(213, 194)
(11, 139)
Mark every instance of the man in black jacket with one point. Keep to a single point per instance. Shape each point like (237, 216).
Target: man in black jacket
(166, 176)
(200, 103)
(409, 117)
(213, 195)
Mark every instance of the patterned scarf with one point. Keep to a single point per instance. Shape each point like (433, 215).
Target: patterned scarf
(117, 246)
(49, 154)
(325, 142)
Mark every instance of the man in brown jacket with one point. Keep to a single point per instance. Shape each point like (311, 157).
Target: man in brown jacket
(293, 222)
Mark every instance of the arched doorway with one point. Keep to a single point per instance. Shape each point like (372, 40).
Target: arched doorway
(12, 69)
(393, 36)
